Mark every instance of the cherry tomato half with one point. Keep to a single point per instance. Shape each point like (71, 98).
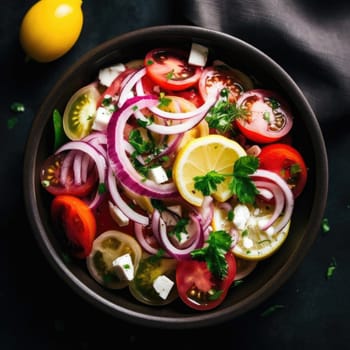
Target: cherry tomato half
(107, 247)
(50, 178)
(79, 111)
(76, 221)
(198, 288)
(149, 269)
(218, 77)
(287, 162)
(169, 68)
(268, 117)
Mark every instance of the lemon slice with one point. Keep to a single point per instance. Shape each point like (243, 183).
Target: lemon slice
(258, 245)
(200, 156)
(252, 243)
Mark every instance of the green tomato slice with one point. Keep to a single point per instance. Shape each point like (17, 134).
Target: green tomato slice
(149, 268)
(107, 247)
(79, 114)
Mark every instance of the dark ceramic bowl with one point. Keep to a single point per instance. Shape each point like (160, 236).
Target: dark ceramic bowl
(269, 274)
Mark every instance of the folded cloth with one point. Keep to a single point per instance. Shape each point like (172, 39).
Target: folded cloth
(310, 39)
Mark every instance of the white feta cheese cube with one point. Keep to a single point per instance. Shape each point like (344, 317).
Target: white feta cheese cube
(241, 216)
(198, 55)
(124, 267)
(158, 175)
(102, 117)
(107, 75)
(163, 285)
(117, 215)
(247, 242)
(182, 238)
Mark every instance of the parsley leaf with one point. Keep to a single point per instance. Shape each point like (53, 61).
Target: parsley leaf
(331, 268)
(223, 113)
(180, 227)
(207, 183)
(219, 243)
(241, 185)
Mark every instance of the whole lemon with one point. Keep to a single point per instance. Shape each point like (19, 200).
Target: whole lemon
(50, 28)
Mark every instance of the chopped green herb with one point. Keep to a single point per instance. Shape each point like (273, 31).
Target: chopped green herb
(230, 215)
(59, 135)
(164, 101)
(266, 116)
(331, 268)
(102, 188)
(180, 227)
(223, 113)
(325, 225)
(170, 75)
(157, 256)
(11, 122)
(214, 294)
(219, 242)
(237, 283)
(207, 183)
(271, 309)
(241, 185)
(17, 107)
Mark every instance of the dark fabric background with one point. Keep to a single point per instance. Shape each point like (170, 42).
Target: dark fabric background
(310, 40)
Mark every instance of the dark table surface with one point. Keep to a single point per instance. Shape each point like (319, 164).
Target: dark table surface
(38, 310)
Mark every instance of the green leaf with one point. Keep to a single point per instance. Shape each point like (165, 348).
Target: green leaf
(218, 244)
(325, 225)
(271, 309)
(244, 189)
(207, 183)
(59, 135)
(331, 268)
(223, 113)
(241, 185)
(17, 107)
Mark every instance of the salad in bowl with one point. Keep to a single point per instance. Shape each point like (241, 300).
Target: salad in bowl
(172, 176)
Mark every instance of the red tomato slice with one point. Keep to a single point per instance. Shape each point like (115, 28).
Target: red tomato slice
(194, 282)
(169, 68)
(218, 77)
(287, 162)
(50, 178)
(268, 117)
(77, 221)
(191, 95)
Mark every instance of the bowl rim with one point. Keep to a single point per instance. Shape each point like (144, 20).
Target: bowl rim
(196, 320)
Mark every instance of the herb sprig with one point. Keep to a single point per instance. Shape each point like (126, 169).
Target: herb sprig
(223, 113)
(241, 185)
(219, 243)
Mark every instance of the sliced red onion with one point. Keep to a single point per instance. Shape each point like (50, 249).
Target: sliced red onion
(99, 160)
(206, 211)
(278, 197)
(118, 159)
(127, 89)
(181, 254)
(288, 195)
(121, 204)
(138, 228)
(66, 166)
